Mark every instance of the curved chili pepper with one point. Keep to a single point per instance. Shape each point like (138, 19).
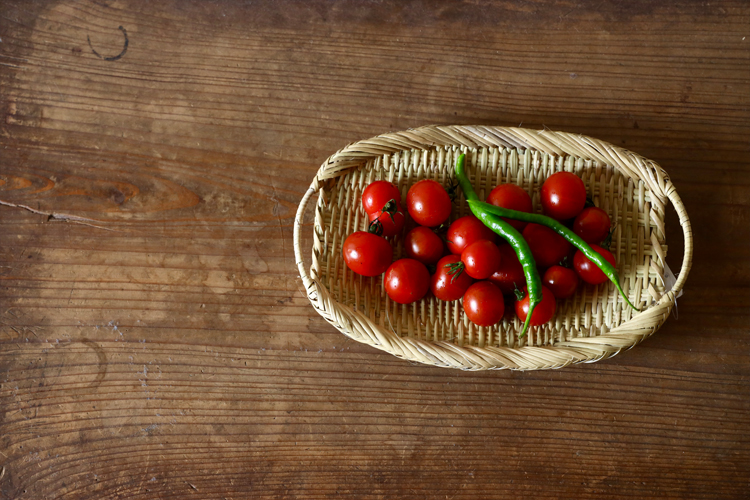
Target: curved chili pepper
(607, 268)
(509, 234)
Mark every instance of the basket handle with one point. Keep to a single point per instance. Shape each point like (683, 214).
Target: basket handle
(296, 234)
(687, 259)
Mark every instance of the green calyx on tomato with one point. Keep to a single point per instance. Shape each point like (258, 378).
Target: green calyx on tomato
(377, 195)
(387, 226)
(391, 208)
(455, 269)
(375, 227)
(449, 287)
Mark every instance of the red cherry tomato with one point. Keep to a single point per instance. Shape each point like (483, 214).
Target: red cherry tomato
(482, 259)
(509, 275)
(407, 281)
(563, 195)
(543, 311)
(367, 254)
(447, 286)
(484, 304)
(428, 203)
(592, 225)
(377, 194)
(513, 197)
(466, 230)
(547, 247)
(587, 270)
(562, 281)
(391, 226)
(422, 244)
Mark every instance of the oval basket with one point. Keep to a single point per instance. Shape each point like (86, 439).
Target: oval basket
(593, 325)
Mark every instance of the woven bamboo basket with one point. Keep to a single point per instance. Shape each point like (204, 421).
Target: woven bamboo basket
(593, 325)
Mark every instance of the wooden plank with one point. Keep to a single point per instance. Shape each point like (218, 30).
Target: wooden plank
(155, 340)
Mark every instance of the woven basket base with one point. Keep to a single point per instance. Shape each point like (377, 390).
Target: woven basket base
(594, 324)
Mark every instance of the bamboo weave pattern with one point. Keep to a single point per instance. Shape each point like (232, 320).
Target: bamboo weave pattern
(592, 325)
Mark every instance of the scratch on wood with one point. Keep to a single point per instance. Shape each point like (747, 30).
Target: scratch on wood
(192, 486)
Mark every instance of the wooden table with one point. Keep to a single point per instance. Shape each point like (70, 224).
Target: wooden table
(156, 342)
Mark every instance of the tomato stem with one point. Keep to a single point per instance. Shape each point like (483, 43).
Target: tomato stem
(607, 243)
(455, 269)
(452, 189)
(390, 208)
(375, 227)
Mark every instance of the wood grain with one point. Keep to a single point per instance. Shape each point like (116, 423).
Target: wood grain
(155, 341)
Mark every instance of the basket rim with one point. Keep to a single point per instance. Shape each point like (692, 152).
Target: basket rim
(579, 350)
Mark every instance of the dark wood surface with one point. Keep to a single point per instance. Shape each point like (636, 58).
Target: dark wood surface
(154, 338)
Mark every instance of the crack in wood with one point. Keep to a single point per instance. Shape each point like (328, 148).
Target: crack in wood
(51, 216)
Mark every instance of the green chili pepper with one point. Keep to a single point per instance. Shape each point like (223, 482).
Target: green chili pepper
(509, 234)
(607, 268)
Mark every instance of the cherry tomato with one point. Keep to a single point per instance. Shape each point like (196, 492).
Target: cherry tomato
(377, 194)
(510, 275)
(563, 195)
(484, 304)
(422, 244)
(447, 286)
(367, 254)
(407, 281)
(481, 258)
(592, 225)
(428, 203)
(512, 197)
(547, 247)
(543, 311)
(391, 226)
(562, 281)
(587, 270)
(466, 230)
